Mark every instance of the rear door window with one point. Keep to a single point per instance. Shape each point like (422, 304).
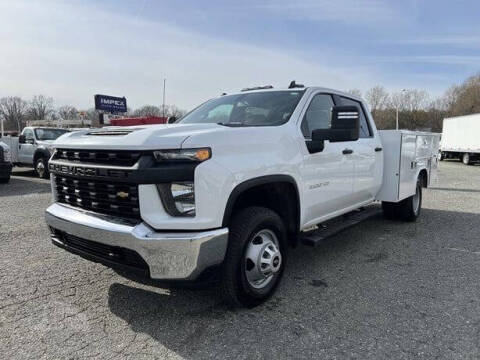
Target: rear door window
(364, 128)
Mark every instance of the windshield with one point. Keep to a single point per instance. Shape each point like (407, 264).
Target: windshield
(269, 108)
(49, 134)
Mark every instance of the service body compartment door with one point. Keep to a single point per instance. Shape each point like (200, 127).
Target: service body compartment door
(408, 166)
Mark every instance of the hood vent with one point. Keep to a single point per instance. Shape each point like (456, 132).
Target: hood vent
(116, 132)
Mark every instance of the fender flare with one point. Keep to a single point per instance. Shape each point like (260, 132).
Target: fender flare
(250, 183)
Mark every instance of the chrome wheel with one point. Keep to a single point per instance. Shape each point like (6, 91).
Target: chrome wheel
(466, 159)
(40, 168)
(263, 259)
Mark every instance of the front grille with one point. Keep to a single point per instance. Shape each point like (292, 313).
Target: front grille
(106, 197)
(101, 157)
(112, 254)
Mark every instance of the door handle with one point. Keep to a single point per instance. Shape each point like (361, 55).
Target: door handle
(378, 149)
(347, 151)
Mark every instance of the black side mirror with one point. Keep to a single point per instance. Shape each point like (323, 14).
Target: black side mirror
(21, 139)
(345, 125)
(171, 119)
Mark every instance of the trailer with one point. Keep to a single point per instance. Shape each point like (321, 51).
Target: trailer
(461, 138)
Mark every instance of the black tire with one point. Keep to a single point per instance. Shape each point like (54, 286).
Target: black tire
(441, 157)
(236, 288)
(389, 210)
(405, 210)
(5, 180)
(41, 168)
(466, 159)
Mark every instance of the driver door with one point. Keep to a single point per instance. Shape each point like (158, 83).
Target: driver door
(327, 175)
(25, 151)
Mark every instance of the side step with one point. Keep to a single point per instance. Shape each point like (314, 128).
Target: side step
(338, 224)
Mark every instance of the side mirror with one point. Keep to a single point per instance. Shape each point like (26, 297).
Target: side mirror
(21, 139)
(345, 125)
(171, 119)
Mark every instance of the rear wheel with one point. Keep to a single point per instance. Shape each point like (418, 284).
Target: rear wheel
(466, 159)
(405, 210)
(255, 257)
(41, 167)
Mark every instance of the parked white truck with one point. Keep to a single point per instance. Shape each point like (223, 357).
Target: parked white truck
(461, 138)
(232, 185)
(33, 148)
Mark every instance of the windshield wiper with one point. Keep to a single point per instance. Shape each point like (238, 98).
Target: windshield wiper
(232, 124)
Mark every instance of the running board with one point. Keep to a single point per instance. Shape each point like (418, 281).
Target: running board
(336, 225)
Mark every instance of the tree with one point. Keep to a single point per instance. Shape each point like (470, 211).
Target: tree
(40, 107)
(377, 98)
(13, 110)
(148, 110)
(355, 92)
(67, 112)
(173, 110)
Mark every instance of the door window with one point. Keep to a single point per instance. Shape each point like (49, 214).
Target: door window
(364, 128)
(28, 134)
(318, 115)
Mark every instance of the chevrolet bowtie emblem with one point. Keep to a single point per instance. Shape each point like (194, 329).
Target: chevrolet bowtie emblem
(122, 194)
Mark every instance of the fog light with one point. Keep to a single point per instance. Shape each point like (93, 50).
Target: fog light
(178, 198)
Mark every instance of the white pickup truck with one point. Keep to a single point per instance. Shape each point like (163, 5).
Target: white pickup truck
(227, 189)
(33, 148)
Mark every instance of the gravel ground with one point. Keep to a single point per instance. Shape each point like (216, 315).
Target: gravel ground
(380, 290)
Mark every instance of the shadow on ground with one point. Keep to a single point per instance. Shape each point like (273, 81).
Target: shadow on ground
(345, 290)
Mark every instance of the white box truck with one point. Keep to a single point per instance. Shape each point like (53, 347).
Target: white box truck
(227, 189)
(461, 138)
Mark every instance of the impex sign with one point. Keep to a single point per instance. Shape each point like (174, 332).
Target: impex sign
(110, 103)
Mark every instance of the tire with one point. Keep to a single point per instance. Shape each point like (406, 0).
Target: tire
(252, 232)
(466, 159)
(41, 168)
(441, 157)
(407, 209)
(5, 180)
(389, 210)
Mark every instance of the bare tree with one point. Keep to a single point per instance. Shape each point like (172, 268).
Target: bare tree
(67, 112)
(148, 110)
(355, 92)
(377, 97)
(173, 110)
(40, 107)
(13, 110)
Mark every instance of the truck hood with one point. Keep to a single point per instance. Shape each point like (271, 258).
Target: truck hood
(146, 137)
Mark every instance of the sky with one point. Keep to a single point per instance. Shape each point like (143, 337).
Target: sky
(71, 50)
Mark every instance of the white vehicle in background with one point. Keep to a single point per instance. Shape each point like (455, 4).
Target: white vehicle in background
(5, 163)
(461, 138)
(33, 147)
(228, 188)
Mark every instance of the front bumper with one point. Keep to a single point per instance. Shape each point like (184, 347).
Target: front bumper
(169, 255)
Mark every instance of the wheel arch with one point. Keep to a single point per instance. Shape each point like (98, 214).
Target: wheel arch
(423, 174)
(40, 153)
(277, 192)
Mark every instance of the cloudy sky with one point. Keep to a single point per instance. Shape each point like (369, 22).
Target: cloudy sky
(71, 50)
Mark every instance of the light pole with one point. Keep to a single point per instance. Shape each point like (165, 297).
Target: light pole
(398, 104)
(163, 106)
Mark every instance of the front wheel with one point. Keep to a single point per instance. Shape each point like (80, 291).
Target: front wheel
(466, 159)
(255, 257)
(41, 167)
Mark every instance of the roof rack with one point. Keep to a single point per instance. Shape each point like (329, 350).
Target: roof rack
(294, 85)
(258, 88)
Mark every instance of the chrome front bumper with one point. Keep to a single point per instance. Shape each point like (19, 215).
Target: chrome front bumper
(169, 255)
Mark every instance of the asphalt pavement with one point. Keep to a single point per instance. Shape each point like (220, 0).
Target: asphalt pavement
(382, 289)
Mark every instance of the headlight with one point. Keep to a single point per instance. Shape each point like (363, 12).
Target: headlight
(51, 148)
(178, 198)
(200, 154)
